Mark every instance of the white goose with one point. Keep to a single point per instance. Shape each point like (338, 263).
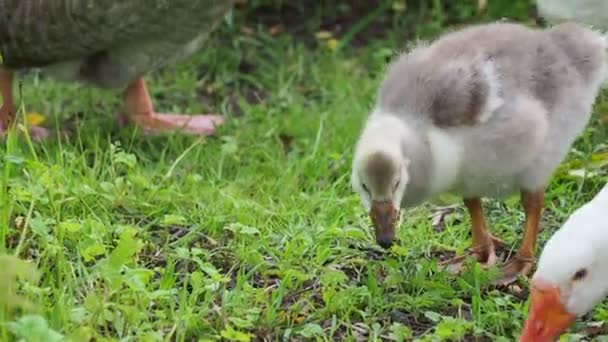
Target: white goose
(571, 277)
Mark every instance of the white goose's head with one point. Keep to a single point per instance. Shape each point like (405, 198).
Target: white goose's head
(570, 278)
(380, 174)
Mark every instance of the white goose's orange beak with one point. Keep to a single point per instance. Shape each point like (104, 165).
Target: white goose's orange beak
(548, 317)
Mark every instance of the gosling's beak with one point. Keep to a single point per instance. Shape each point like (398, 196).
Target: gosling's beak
(384, 217)
(548, 318)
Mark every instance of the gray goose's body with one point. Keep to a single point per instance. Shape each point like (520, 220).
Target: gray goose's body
(105, 43)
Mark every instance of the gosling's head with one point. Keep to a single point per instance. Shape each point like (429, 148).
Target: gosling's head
(380, 175)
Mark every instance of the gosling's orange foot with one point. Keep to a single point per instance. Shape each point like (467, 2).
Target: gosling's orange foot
(484, 254)
(203, 125)
(517, 266)
(456, 264)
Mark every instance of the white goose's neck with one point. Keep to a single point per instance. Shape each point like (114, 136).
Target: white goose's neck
(602, 196)
(588, 223)
(594, 215)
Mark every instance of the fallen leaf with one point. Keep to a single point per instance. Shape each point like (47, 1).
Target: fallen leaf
(595, 328)
(34, 119)
(324, 35)
(247, 31)
(20, 222)
(360, 332)
(399, 5)
(274, 30)
(332, 44)
(454, 265)
(438, 217)
(583, 173)
(517, 291)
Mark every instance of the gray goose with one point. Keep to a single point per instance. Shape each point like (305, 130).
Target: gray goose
(108, 44)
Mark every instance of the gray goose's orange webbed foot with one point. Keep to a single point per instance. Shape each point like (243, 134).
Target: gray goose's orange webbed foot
(141, 111)
(521, 264)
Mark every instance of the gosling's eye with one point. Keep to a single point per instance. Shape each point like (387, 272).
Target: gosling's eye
(365, 188)
(580, 274)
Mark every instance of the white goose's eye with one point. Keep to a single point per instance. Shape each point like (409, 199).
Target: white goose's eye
(396, 185)
(580, 274)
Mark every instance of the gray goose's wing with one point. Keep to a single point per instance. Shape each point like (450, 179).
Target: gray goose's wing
(37, 33)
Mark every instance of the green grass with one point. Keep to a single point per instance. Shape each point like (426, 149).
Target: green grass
(254, 233)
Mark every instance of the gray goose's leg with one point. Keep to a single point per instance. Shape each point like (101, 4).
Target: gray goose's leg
(8, 111)
(139, 106)
(6, 90)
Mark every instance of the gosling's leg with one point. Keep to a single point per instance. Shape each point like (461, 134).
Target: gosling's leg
(484, 244)
(522, 262)
(139, 106)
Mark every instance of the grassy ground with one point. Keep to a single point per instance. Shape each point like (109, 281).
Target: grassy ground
(255, 233)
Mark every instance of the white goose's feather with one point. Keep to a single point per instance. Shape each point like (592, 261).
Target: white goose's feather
(581, 243)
